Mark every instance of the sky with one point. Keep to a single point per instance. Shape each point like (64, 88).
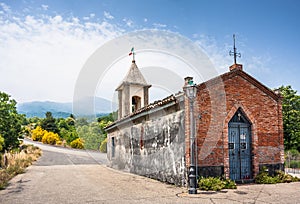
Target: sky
(44, 44)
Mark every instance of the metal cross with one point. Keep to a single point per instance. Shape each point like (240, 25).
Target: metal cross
(234, 53)
(239, 115)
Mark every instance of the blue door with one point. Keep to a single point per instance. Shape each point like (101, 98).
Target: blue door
(239, 145)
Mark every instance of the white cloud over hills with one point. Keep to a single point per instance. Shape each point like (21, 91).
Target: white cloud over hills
(41, 56)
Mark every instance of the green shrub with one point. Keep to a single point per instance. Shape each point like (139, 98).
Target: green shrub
(294, 164)
(229, 184)
(280, 177)
(285, 178)
(103, 146)
(293, 153)
(264, 178)
(1, 143)
(215, 184)
(77, 143)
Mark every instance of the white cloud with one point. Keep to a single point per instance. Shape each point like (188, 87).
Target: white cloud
(108, 15)
(5, 7)
(218, 54)
(195, 35)
(41, 57)
(159, 25)
(45, 7)
(128, 22)
(258, 64)
(91, 16)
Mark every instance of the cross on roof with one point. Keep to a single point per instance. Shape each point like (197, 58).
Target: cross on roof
(132, 53)
(234, 53)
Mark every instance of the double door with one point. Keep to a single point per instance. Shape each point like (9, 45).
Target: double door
(239, 145)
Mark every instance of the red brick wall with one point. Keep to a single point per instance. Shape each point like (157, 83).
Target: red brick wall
(217, 102)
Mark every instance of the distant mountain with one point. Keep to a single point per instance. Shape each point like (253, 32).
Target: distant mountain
(63, 110)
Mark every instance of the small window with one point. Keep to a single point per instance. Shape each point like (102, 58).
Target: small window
(113, 147)
(243, 136)
(243, 145)
(231, 145)
(136, 103)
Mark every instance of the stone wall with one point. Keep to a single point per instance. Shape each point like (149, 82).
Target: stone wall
(151, 145)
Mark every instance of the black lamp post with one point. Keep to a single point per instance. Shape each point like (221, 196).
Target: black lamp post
(191, 91)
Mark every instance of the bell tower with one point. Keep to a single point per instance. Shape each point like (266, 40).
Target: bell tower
(133, 92)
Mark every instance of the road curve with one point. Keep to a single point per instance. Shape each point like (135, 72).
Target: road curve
(71, 176)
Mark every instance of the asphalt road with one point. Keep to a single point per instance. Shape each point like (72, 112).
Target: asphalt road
(75, 176)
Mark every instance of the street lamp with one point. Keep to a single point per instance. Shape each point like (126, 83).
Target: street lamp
(190, 91)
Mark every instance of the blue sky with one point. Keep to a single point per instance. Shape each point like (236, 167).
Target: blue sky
(43, 44)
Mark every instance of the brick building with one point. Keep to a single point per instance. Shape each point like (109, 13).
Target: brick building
(238, 129)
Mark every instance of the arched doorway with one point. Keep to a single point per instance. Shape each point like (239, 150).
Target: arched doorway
(239, 147)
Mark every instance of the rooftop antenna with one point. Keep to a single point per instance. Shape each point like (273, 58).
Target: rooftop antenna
(234, 53)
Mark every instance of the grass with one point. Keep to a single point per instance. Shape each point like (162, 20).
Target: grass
(15, 162)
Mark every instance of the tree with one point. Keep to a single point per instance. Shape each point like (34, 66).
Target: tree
(35, 120)
(91, 135)
(108, 118)
(291, 117)
(71, 120)
(69, 134)
(49, 123)
(1, 144)
(10, 122)
(81, 122)
(103, 146)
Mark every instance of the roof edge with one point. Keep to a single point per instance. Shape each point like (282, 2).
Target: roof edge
(152, 107)
(246, 76)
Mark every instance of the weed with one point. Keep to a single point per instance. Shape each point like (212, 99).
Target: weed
(16, 161)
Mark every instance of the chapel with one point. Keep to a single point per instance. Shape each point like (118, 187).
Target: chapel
(238, 129)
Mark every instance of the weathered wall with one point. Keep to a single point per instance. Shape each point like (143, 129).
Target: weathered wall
(152, 147)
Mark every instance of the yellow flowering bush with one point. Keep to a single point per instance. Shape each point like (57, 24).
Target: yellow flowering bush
(37, 134)
(77, 143)
(50, 138)
(103, 146)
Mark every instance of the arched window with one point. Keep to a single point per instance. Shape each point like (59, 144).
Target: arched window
(136, 103)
